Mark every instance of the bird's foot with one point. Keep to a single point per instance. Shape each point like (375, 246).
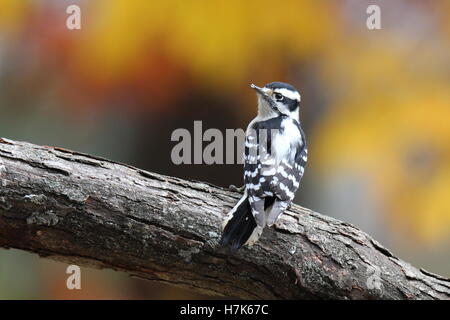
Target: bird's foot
(237, 189)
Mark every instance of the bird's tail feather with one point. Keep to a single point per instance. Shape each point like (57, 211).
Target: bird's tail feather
(239, 226)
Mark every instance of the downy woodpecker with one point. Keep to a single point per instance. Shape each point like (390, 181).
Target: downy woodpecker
(274, 161)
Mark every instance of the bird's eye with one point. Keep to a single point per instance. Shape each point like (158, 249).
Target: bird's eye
(278, 96)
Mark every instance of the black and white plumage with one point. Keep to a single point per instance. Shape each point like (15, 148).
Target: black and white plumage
(274, 162)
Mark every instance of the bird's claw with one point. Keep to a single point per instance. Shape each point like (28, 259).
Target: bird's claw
(236, 189)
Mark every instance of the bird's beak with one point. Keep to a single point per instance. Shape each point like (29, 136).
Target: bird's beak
(265, 92)
(266, 95)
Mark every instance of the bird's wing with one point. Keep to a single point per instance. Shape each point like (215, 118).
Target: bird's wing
(290, 171)
(265, 172)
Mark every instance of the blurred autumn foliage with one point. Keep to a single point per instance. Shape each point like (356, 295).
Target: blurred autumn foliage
(375, 103)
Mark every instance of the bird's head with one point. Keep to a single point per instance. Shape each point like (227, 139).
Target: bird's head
(278, 97)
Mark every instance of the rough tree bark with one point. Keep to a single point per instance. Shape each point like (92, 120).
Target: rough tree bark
(86, 210)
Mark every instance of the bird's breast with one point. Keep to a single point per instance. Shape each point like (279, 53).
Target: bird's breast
(286, 140)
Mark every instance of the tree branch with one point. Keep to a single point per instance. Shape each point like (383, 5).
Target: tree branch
(91, 211)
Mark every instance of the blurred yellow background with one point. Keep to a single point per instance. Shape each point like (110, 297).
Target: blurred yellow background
(375, 107)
